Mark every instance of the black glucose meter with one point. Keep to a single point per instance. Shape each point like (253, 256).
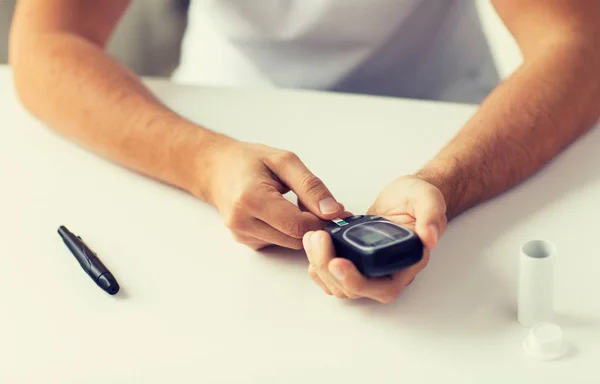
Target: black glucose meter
(376, 246)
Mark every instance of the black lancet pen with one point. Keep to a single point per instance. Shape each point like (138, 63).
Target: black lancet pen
(89, 261)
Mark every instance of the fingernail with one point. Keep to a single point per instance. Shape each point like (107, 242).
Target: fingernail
(328, 206)
(337, 272)
(435, 232)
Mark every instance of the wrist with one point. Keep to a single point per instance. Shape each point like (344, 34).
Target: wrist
(204, 161)
(193, 151)
(448, 180)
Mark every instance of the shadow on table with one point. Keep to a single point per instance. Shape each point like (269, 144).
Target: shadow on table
(457, 288)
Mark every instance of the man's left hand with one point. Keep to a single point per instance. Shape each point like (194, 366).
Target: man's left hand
(408, 201)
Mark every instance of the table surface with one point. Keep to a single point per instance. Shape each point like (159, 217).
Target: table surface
(197, 307)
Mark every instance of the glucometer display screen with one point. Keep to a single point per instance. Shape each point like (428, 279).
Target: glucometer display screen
(375, 234)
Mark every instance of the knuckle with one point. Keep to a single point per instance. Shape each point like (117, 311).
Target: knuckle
(234, 221)
(340, 295)
(311, 184)
(284, 157)
(245, 200)
(247, 240)
(321, 265)
(296, 244)
(296, 229)
(237, 237)
(256, 246)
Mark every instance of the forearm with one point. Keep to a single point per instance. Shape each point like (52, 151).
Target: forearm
(72, 86)
(543, 107)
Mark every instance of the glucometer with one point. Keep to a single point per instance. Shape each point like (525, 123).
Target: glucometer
(376, 246)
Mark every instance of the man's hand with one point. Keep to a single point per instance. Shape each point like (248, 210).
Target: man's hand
(408, 201)
(246, 184)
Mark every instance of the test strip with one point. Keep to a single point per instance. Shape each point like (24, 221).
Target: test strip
(340, 222)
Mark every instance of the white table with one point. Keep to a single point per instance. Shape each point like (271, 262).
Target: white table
(197, 307)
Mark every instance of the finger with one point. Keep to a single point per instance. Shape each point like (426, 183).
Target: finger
(319, 254)
(313, 248)
(343, 212)
(312, 272)
(384, 290)
(303, 207)
(257, 246)
(430, 217)
(269, 206)
(311, 191)
(265, 233)
(342, 215)
(336, 291)
(249, 241)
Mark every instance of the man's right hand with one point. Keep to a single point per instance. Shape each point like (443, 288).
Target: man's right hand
(246, 183)
(64, 77)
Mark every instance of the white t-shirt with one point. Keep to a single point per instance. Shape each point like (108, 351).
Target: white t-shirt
(426, 49)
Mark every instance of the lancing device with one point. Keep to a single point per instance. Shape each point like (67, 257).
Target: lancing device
(376, 246)
(89, 261)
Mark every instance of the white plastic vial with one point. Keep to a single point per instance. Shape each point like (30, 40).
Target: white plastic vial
(536, 282)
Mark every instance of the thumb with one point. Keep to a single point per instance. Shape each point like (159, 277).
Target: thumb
(430, 218)
(311, 191)
(343, 212)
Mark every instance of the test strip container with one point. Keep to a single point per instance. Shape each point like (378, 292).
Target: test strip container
(536, 282)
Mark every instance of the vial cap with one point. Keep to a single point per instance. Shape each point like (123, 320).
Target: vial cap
(545, 341)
